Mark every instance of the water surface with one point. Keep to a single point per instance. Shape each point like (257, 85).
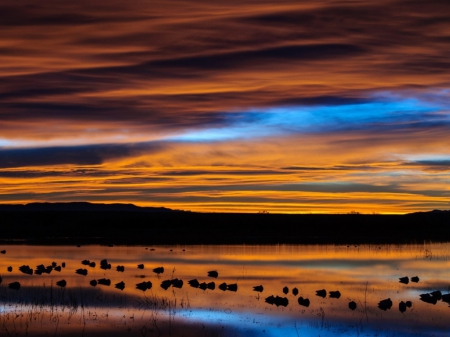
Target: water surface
(364, 274)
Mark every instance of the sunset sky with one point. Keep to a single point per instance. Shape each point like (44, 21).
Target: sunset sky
(227, 106)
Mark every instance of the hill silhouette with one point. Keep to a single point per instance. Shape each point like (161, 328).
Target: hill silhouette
(81, 223)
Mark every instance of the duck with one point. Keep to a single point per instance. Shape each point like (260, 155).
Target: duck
(93, 283)
(285, 290)
(26, 270)
(352, 305)
(140, 266)
(9, 269)
(104, 281)
(303, 301)
(14, 285)
(295, 291)
(385, 304)
(80, 271)
(232, 287)
(322, 293)
(176, 283)
(144, 285)
(415, 279)
(159, 270)
(120, 268)
(166, 284)
(404, 280)
(259, 289)
(61, 283)
(213, 273)
(335, 294)
(402, 307)
(194, 283)
(120, 285)
(223, 286)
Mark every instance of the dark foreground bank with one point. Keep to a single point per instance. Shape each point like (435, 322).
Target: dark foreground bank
(162, 226)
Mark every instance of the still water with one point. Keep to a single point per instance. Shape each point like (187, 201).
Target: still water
(364, 274)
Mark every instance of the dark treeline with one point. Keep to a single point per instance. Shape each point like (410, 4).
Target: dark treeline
(125, 227)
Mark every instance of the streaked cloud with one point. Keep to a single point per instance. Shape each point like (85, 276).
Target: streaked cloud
(289, 106)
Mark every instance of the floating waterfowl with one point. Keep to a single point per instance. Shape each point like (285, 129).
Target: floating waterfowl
(104, 264)
(63, 265)
(404, 280)
(211, 285)
(9, 269)
(104, 282)
(285, 290)
(232, 287)
(166, 284)
(352, 305)
(446, 298)
(57, 268)
(176, 283)
(415, 279)
(203, 286)
(120, 268)
(303, 301)
(295, 291)
(80, 271)
(61, 283)
(140, 266)
(158, 270)
(283, 301)
(402, 307)
(437, 294)
(427, 298)
(14, 285)
(3, 252)
(408, 304)
(85, 262)
(144, 285)
(335, 294)
(385, 304)
(92, 265)
(322, 293)
(26, 270)
(194, 283)
(213, 273)
(120, 285)
(258, 289)
(93, 283)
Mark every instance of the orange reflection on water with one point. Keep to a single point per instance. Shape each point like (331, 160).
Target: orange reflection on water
(364, 274)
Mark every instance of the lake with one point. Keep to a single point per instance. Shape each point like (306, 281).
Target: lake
(363, 274)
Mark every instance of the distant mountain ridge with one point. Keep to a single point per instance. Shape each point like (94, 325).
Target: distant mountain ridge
(80, 207)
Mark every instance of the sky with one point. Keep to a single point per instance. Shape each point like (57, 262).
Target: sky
(311, 106)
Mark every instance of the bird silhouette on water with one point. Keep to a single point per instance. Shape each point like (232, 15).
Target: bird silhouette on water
(352, 305)
(26, 270)
(446, 298)
(285, 290)
(9, 269)
(428, 298)
(158, 270)
(104, 264)
(120, 285)
(437, 294)
(93, 283)
(85, 262)
(120, 268)
(303, 301)
(61, 283)
(295, 291)
(57, 268)
(166, 284)
(144, 285)
(14, 285)
(223, 286)
(415, 279)
(404, 280)
(194, 283)
(80, 271)
(335, 294)
(140, 266)
(232, 287)
(3, 252)
(402, 307)
(213, 273)
(259, 289)
(283, 301)
(322, 293)
(104, 282)
(385, 304)
(177, 283)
